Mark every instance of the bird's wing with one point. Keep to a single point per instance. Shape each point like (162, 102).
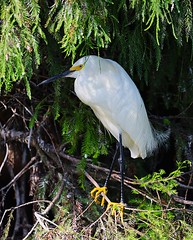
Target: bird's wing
(128, 111)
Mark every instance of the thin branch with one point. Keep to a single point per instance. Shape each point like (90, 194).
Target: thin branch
(25, 169)
(185, 186)
(20, 206)
(58, 195)
(182, 200)
(96, 185)
(32, 229)
(41, 220)
(5, 158)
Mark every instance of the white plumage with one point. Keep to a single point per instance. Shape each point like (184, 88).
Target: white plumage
(106, 87)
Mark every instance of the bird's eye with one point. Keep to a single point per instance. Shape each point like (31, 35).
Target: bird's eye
(81, 66)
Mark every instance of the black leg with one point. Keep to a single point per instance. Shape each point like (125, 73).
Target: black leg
(111, 167)
(95, 193)
(121, 165)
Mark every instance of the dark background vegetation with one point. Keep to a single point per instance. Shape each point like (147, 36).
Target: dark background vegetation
(49, 138)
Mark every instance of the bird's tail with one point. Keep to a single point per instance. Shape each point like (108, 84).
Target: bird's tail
(158, 140)
(162, 137)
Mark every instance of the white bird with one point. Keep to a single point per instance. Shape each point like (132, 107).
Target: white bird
(106, 87)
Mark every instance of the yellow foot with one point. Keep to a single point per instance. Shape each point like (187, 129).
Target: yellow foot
(95, 193)
(117, 207)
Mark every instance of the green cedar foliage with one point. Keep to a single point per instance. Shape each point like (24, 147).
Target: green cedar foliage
(79, 24)
(19, 42)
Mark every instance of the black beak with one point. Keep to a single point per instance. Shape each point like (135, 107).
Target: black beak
(64, 74)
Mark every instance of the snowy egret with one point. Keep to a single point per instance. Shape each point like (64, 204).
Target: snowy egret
(106, 87)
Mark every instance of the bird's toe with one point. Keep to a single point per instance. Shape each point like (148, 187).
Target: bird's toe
(96, 192)
(117, 209)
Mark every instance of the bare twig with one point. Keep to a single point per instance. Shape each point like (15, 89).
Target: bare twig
(20, 206)
(5, 158)
(26, 168)
(96, 185)
(55, 199)
(184, 186)
(182, 200)
(30, 232)
(41, 219)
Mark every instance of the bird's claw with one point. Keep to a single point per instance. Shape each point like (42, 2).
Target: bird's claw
(117, 207)
(95, 193)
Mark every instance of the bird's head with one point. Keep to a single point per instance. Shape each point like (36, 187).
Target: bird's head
(73, 72)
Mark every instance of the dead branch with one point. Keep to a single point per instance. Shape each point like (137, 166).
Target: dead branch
(184, 186)
(182, 200)
(5, 158)
(26, 168)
